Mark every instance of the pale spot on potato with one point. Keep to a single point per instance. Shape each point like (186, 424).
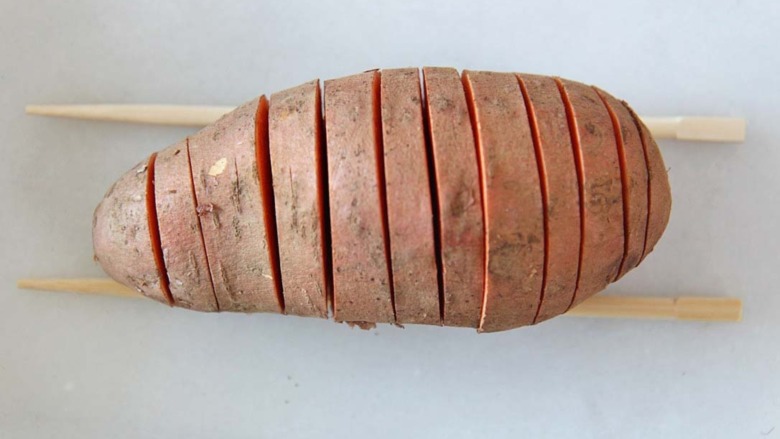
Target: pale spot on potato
(218, 167)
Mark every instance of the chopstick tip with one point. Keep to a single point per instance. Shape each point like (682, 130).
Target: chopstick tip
(33, 109)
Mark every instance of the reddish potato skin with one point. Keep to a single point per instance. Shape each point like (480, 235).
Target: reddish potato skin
(180, 234)
(659, 192)
(409, 206)
(512, 201)
(294, 139)
(590, 207)
(361, 280)
(229, 204)
(121, 238)
(460, 202)
(635, 182)
(563, 199)
(602, 199)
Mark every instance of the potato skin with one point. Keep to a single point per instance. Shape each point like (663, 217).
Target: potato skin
(635, 182)
(601, 189)
(409, 206)
(294, 128)
(121, 238)
(229, 204)
(180, 234)
(491, 200)
(659, 191)
(459, 199)
(361, 280)
(512, 201)
(563, 199)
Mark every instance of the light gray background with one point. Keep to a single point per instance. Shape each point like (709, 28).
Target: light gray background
(74, 366)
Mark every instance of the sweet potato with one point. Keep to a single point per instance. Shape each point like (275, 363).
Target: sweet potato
(659, 193)
(512, 201)
(491, 200)
(560, 191)
(295, 152)
(634, 181)
(459, 200)
(409, 207)
(122, 234)
(602, 242)
(183, 249)
(361, 275)
(227, 189)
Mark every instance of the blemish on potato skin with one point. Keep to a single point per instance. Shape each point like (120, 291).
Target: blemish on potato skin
(459, 204)
(195, 266)
(204, 209)
(236, 227)
(211, 210)
(223, 276)
(218, 167)
(441, 103)
(603, 195)
(236, 191)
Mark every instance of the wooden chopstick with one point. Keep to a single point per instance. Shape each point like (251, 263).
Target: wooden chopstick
(101, 286)
(178, 115)
(704, 129)
(715, 309)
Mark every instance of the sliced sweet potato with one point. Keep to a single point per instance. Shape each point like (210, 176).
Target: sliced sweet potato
(596, 156)
(227, 188)
(512, 200)
(409, 207)
(659, 193)
(634, 181)
(559, 181)
(361, 278)
(294, 120)
(459, 200)
(180, 234)
(122, 237)
(491, 200)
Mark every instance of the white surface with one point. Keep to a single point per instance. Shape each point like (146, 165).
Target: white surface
(76, 367)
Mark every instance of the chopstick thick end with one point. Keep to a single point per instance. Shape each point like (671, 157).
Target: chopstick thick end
(712, 129)
(725, 309)
(698, 128)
